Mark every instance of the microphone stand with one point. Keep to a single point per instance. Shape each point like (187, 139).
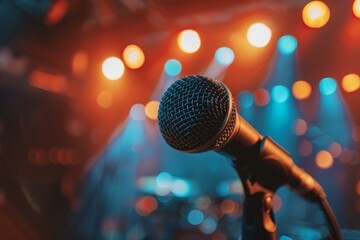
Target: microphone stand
(258, 218)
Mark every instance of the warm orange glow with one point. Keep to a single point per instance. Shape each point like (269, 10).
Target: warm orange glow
(50, 82)
(189, 41)
(356, 8)
(228, 206)
(335, 149)
(259, 35)
(113, 68)
(261, 97)
(104, 99)
(57, 12)
(324, 159)
(145, 205)
(300, 127)
(301, 89)
(305, 148)
(316, 14)
(151, 109)
(351, 82)
(133, 56)
(80, 63)
(358, 188)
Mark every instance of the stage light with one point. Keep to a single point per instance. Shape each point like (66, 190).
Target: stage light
(305, 148)
(195, 217)
(300, 127)
(280, 93)
(316, 14)
(224, 56)
(335, 149)
(133, 56)
(351, 82)
(228, 206)
(324, 159)
(246, 99)
(104, 99)
(356, 8)
(137, 112)
(151, 109)
(209, 225)
(180, 188)
(189, 41)
(259, 35)
(261, 97)
(113, 68)
(145, 205)
(327, 86)
(287, 44)
(164, 180)
(172, 67)
(301, 89)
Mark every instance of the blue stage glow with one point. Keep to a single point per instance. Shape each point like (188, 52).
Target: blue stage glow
(195, 217)
(280, 93)
(173, 67)
(224, 56)
(164, 180)
(327, 86)
(285, 238)
(180, 188)
(246, 99)
(287, 44)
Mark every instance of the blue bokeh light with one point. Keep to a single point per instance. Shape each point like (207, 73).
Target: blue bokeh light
(180, 188)
(224, 56)
(327, 86)
(173, 67)
(280, 93)
(164, 180)
(287, 44)
(246, 99)
(195, 217)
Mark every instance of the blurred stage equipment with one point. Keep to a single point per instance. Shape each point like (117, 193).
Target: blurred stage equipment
(198, 114)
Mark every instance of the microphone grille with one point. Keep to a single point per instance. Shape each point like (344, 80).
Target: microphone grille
(194, 114)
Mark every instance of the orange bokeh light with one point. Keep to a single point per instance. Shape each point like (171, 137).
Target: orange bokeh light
(151, 109)
(145, 205)
(316, 14)
(324, 159)
(351, 82)
(301, 89)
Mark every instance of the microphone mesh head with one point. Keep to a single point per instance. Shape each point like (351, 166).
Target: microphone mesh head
(196, 114)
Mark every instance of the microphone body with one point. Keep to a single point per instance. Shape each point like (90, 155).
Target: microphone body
(198, 114)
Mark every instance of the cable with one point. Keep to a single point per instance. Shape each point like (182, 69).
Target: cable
(331, 219)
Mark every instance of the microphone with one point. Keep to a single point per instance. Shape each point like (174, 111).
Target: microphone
(198, 114)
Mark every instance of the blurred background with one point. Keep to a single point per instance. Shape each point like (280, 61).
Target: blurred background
(81, 156)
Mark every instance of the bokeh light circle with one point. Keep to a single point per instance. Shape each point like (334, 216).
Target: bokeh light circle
(280, 93)
(189, 41)
(224, 56)
(287, 44)
(133, 56)
(259, 35)
(327, 86)
(173, 67)
(301, 89)
(316, 14)
(113, 68)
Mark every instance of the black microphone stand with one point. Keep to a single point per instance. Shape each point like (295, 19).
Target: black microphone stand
(258, 218)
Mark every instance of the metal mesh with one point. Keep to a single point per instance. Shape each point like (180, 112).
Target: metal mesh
(193, 111)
